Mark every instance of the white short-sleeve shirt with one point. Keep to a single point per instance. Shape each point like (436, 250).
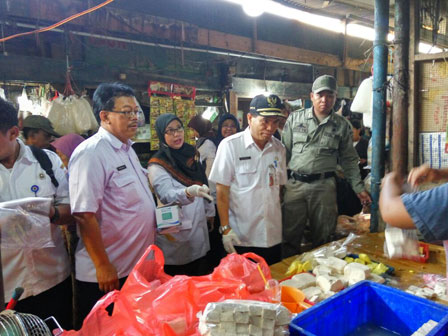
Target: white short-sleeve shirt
(254, 177)
(106, 178)
(36, 270)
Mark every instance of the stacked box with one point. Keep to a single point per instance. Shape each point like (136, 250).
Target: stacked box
(158, 106)
(185, 110)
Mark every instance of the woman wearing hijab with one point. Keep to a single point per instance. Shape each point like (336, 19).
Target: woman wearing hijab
(203, 132)
(65, 146)
(227, 126)
(177, 177)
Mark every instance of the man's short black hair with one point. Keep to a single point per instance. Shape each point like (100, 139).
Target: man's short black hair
(356, 124)
(8, 116)
(105, 95)
(28, 131)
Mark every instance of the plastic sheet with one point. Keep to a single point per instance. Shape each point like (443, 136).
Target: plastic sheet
(25, 223)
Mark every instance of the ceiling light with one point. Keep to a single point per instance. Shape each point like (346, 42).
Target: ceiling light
(253, 8)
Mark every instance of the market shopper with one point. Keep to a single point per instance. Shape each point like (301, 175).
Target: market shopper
(177, 177)
(228, 125)
(203, 132)
(44, 273)
(38, 131)
(316, 140)
(110, 198)
(425, 210)
(248, 170)
(65, 145)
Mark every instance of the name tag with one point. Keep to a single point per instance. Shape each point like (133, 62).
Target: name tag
(121, 167)
(245, 158)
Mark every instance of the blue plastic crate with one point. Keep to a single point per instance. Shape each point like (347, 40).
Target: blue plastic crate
(370, 303)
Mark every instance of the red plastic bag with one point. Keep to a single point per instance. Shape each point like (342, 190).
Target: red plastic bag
(154, 303)
(169, 306)
(98, 322)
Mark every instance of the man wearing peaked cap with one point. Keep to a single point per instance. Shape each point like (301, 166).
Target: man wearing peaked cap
(248, 170)
(38, 131)
(316, 140)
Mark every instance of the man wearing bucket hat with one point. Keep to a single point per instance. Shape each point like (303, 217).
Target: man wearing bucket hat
(248, 170)
(316, 140)
(38, 131)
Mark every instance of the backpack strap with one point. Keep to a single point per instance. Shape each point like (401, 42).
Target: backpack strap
(45, 163)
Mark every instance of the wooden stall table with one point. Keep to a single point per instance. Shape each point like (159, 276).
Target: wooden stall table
(407, 272)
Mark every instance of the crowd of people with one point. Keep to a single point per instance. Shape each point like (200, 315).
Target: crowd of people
(253, 190)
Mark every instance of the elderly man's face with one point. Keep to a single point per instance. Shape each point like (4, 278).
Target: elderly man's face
(122, 120)
(40, 139)
(323, 101)
(262, 128)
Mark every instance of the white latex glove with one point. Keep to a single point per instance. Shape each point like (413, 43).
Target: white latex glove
(228, 240)
(196, 190)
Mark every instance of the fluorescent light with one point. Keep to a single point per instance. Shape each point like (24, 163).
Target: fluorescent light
(254, 7)
(320, 21)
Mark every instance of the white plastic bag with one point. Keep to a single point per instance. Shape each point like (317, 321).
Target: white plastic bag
(25, 223)
(400, 243)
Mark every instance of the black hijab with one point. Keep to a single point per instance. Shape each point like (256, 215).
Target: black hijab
(225, 117)
(181, 163)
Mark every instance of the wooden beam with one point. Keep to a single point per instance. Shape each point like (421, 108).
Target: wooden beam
(430, 57)
(414, 28)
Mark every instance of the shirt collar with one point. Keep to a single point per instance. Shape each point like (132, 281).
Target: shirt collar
(25, 153)
(113, 140)
(329, 118)
(248, 140)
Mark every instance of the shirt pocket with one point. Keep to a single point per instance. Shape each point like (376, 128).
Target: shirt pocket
(299, 141)
(330, 141)
(246, 174)
(125, 189)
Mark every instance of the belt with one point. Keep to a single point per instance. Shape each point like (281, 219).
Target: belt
(308, 178)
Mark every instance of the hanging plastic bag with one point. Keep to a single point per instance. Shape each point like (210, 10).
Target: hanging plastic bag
(61, 119)
(25, 223)
(82, 115)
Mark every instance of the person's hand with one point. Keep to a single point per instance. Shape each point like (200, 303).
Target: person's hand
(211, 223)
(107, 278)
(196, 190)
(364, 197)
(421, 175)
(228, 239)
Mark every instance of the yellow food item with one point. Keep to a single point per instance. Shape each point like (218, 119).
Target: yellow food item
(360, 261)
(372, 265)
(380, 269)
(365, 258)
(349, 259)
(306, 266)
(292, 269)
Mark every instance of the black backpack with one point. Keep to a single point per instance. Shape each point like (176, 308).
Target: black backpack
(45, 163)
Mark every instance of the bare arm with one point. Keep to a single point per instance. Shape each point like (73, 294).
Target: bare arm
(65, 215)
(222, 199)
(424, 174)
(391, 205)
(106, 273)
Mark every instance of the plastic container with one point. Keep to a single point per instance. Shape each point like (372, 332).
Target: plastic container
(370, 303)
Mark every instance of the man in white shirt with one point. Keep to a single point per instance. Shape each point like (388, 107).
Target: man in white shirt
(110, 198)
(43, 273)
(248, 170)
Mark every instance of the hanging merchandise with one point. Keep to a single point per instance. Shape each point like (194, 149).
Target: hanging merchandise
(71, 114)
(171, 98)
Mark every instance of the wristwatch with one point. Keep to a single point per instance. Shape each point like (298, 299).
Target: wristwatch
(223, 228)
(55, 216)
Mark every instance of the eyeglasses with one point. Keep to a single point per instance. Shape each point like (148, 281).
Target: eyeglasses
(173, 131)
(228, 126)
(129, 114)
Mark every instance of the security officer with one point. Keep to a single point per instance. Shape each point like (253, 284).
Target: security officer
(248, 170)
(316, 140)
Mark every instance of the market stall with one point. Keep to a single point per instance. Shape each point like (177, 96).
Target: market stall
(406, 272)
